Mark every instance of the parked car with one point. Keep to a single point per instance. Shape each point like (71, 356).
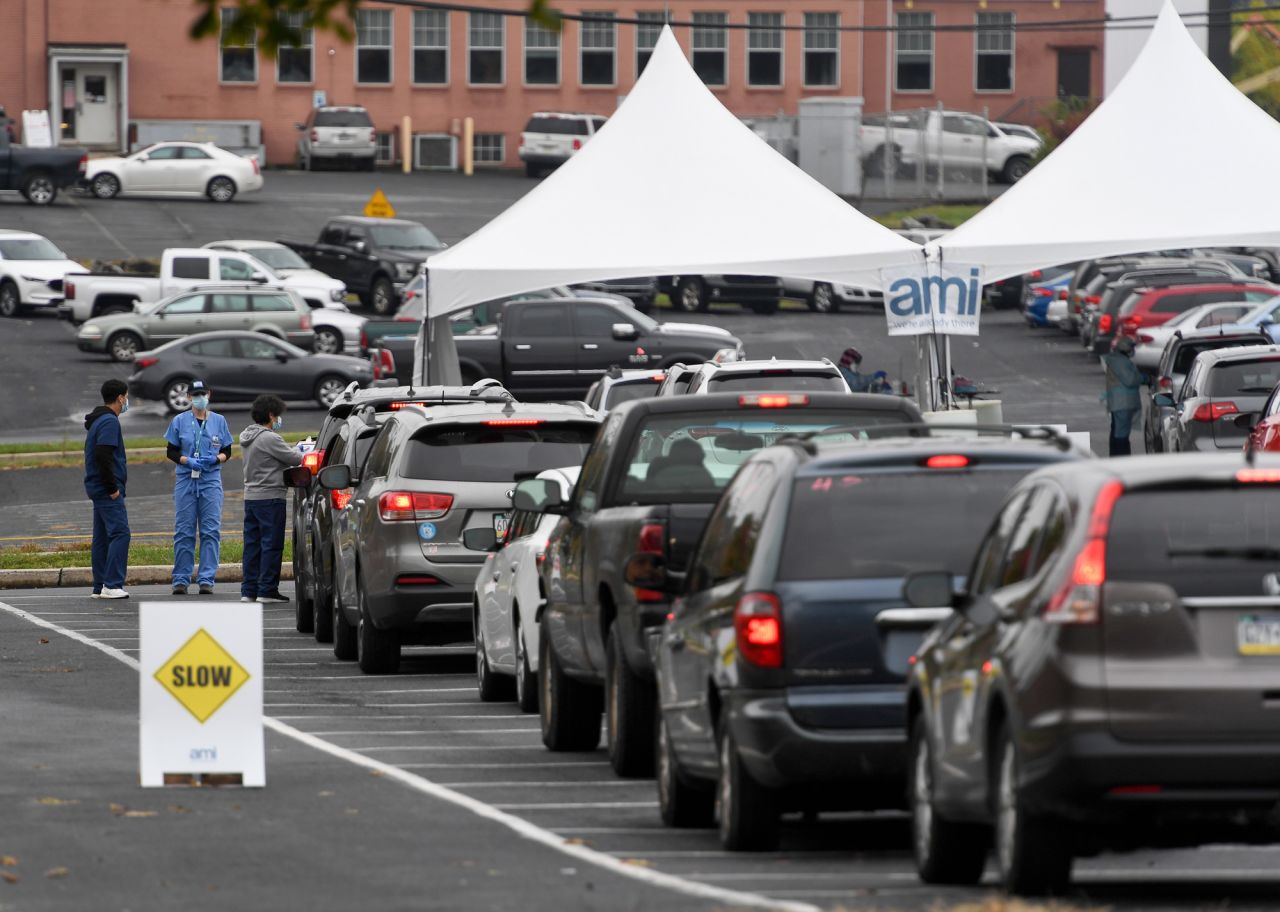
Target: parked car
(1151, 341)
(1265, 317)
(1101, 684)
(401, 573)
(825, 297)
(374, 257)
(649, 483)
(31, 272)
(773, 375)
(337, 133)
(508, 600)
(38, 174)
(1264, 427)
(275, 312)
(175, 169)
(550, 139)
(1010, 292)
(1221, 386)
(240, 366)
(618, 386)
(782, 664)
(1013, 129)
(642, 292)
(952, 138)
(1147, 308)
(693, 294)
(1039, 296)
(1106, 317)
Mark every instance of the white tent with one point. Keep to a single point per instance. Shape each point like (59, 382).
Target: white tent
(674, 184)
(1175, 157)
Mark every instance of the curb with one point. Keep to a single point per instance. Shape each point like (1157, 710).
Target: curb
(153, 574)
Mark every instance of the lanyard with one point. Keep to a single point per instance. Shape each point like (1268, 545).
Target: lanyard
(199, 433)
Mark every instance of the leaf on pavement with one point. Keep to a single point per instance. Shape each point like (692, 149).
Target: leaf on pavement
(57, 801)
(141, 813)
(56, 872)
(638, 862)
(8, 861)
(179, 809)
(8, 877)
(44, 641)
(117, 809)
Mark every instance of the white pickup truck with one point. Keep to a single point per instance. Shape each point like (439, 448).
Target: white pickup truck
(951, 138)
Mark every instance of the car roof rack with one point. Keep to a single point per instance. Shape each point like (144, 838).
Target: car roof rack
(925, 429)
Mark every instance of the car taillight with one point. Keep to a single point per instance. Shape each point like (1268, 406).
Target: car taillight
(1212, 411)
(384, 365)
(772, 400)
(373, 137)
(513, 422)
(947, 461)
(1258, 476)
(577, 144)
(1145, 339)
(69, 290)
(364, 340)
(1043, 292)
(1104, 324)
(340, 498)
(312, 460)
(541, 556)
(394, 506)
(1062, 294)
(1165, 383)
(1079, 600)
(253, 161)
(1092, 299)
(305, 324)
(417, 579)
(84, 163)
(315, 136)
(651, 540)
(1034, 274)
(757, 627)
(144, 363)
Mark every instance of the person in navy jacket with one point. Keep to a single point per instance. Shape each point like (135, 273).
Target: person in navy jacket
(105, 474)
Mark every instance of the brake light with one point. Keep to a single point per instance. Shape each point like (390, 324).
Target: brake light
(144, 363)
(315, 136)
(577, 144)
(340, 498)
(540, 557)
(364, 340)
(757, 627)
(767, 400)
(947, 461)
(1258, 476)
(658, 378)
(1136, 790)
(1104, 324)
(1165, 383)
(84, 164)
(373, 137)
(1129, 325)
(384, 365)
(1212, 411)
(1043, 292)
(312, 460)
(253, 161)
(1062, 294)
(69, 290)
(395, 506)
(513, 422)
(1034, 274)
(1079, 600)
(306, 322)
(1145, 339)
(417, 579)
(397, 406)
(1092, 299)
(651, 540)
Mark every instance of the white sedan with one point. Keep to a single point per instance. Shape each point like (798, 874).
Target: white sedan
(175, 169)
(507, 599)
(1151, 339)
(31, 271)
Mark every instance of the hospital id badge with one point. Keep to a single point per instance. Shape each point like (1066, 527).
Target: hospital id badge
(195, 473)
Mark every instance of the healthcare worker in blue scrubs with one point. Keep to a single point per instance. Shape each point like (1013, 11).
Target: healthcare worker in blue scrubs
(199, 441)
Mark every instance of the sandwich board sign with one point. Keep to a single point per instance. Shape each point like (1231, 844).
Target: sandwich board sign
(379, 206)
(201, 694)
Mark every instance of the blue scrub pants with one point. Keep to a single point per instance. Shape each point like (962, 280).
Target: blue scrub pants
(110, 552)
(263, 546)
(197, 505)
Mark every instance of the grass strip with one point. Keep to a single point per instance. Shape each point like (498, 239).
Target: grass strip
(951, 215)
(28, 557)
(76, 446)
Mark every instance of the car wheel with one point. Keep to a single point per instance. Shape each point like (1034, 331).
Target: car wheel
(10, 300)
(321, 605)
(116, 307)
(532, 171)
(382, 297)
(1015, 169)
(1033, 853)
(124, 345)
(681, 804)
(377, 651)
(569, 710)
(221, 189)
(177, 395)
(40, 190)
(304, 618)
(823, 300)
(105, 186)
(645, 305)
(328, 341)
(492, 687)
(875, 164)
(746, 812)
(945, 852)
(526, 680)
(629, 712)
(328, 389)
(345, 646)
(690, 297)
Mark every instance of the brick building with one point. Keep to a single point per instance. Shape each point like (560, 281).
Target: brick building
(98, 75)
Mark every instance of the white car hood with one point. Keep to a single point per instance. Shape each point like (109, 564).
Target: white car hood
(342, 319)
(694, 327)
(44, 270)
(312, 278)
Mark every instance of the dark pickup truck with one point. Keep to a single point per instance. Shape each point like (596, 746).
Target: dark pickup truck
(38, 174)
(375, 257)
(648, 485)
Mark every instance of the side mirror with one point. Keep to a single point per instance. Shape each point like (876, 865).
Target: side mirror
(298, 477)
(538, 495)
(258, 277)
(144, 158)
(1163, 400)
(1248, 421)
(480, 539)
(648, 571)
(359, 246)
(282, 357)
(928, 589)
(625, 332)
(335, 477)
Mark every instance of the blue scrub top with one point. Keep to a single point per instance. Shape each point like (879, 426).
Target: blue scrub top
(105, 430)
(193, 439)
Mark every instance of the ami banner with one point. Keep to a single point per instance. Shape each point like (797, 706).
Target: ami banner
(943, 298)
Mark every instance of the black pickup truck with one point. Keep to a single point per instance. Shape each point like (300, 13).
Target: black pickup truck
(375, 257)
(38, 174)
(648, 485)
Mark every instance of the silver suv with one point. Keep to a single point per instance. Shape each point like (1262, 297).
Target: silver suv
(767, 376)
(337, 134)
(549, 140)
(401, 574)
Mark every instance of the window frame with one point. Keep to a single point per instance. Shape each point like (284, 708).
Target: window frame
(806, 50)
(557, 50)
(489, 162)
(931, 31)
(780, 50)
(651, 19)
(501, 48)
(233, 12)
(703, 22)
(978, 52)
(599, 18)
(415, 47)
(389, 47)
(308, 33)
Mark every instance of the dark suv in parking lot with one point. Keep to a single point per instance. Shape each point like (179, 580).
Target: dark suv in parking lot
(1110, 677)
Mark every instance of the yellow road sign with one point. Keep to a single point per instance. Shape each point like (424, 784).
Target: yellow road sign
(379, 206)
(201, 675)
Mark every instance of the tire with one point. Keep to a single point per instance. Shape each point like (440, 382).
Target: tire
(10, 299)
(764, 308)
(629, 712)
(304, 619)
(690, 296)
(875, 161)
(321, 605)
(680, 804)
(1033, 854)
(492, 687)
(377, 651)
(382, 297)
(569, 710)
(746, 813)
(945, 852)
(40, 190)
(105, 186)
(526, 680)
(345, 647)
(328, 389)
(124, 345)
(823, 299)
(115, 307)
(221, 189)
(645, 305)
(328, 341)
(177, 394)
(532, 171)
(1015, 169)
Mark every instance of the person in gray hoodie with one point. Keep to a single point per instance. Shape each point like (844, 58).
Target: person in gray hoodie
(266, 456)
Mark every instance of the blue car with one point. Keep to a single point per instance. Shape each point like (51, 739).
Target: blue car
(1037, 296)
(1265, 316)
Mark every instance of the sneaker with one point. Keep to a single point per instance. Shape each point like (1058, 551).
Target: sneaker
(113, 594)
(206, 589)
(270, 597)
(246, 598)
(179, 590)
(95, 595)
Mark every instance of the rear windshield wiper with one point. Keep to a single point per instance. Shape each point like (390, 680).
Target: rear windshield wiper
(1255, 389)
(1248, 553)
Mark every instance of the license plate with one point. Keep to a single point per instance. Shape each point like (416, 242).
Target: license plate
(1258, 635)
(500, 525)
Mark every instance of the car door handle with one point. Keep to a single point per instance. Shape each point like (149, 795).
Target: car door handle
(590, 346)
(523, 348)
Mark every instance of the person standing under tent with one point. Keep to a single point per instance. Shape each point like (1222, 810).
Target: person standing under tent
(1121, 396)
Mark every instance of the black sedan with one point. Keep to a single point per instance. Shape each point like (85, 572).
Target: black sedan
(241, 366)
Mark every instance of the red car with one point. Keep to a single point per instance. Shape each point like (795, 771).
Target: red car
(1153, 306)
(1265, 436)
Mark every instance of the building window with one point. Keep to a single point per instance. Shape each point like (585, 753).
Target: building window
(541, 55)
(647, 36)
(430, 47)
(239, 56)
(914, 52)
(485, 63)
(386, 150)
(599, 40)
(822, 49)
(711, 47)
(488, 148)
(294, 64)
(373, 47)
(764, 49)
(994, 49)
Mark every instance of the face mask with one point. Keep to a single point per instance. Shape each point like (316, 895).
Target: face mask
(200, 403)
(278, 424)
(124, 408)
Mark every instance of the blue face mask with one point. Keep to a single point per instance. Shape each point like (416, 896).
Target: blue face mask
(124, 408)
(200, 403)
(277, 424)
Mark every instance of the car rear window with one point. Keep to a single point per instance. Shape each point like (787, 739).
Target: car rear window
(1255, 377)
(343, 119)
(1202, 542)
(1186, 353)
(626, 392)
(765, 381)
(852, 525)
(480, 452)
(565, 125)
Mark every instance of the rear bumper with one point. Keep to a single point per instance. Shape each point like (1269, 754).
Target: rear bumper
(342, 152)
(418, 610)
(542, 158)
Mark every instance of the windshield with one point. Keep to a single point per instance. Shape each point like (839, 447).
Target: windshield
(30, 249)
(905, 521)
(1245, 378)
(277, 257)
(762, 381)
(404, 237)
(483, 453)
(627, 391)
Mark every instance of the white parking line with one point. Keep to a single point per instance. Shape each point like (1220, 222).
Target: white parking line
(363, 705)
(602, 783)
(575, 805)
(490, 766)
(438, 747)
(427, 747)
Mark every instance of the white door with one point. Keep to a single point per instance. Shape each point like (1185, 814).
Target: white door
(97, 104)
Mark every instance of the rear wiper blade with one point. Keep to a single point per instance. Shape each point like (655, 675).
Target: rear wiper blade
(1255, 389)
(1255, 553)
